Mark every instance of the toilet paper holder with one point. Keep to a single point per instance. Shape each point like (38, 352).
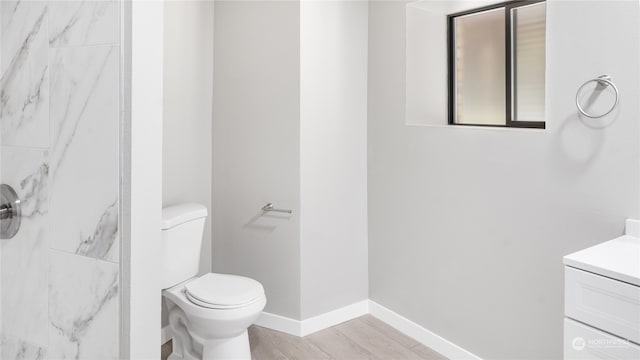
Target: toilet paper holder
(269, 208)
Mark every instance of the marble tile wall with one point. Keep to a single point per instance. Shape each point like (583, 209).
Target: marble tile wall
(59, 137)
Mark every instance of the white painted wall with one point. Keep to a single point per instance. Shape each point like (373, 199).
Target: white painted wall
(426, 63)
(256, 157)
(188, 108)
(290, 128)
(468, 226)
(142, 199)
(333, 154)
(188, 111)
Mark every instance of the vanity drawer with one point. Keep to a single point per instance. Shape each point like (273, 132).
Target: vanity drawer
(584, 342)
(603, 303)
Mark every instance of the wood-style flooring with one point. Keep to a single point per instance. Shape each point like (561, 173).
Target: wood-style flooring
(363, 338)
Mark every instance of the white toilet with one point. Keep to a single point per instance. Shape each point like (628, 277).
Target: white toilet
(208, 315)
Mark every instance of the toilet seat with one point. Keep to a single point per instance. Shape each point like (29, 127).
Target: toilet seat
(222, 291)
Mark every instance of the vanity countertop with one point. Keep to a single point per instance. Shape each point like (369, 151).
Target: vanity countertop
(617, 259)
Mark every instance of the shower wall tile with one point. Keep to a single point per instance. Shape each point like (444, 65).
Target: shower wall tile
(83, 308)
(73, 23)
(13, 349)
(24, 85)
(84, 150)
(25, 257)
(59, 131)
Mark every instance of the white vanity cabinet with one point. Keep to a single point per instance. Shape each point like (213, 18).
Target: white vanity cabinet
(602, 299)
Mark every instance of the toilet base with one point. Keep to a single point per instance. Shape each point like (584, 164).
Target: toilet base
(235, 348)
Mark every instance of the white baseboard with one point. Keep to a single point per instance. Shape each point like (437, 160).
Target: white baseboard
(279, 323)
(419, 333)
(313, 324)
(335, 317)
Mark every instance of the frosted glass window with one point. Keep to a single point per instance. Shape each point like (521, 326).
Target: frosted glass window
(480, 68)
(528, 62)
(497, 65)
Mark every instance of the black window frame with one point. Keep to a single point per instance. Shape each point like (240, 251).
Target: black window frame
(509, 65)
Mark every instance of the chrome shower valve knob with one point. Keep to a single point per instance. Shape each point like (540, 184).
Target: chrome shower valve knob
(10, 212)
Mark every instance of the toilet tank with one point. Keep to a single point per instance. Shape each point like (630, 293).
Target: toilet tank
(182, 230)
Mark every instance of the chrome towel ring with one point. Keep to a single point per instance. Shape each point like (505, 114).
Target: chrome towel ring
(602, 80)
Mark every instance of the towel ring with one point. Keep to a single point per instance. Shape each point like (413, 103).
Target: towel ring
(603, 80)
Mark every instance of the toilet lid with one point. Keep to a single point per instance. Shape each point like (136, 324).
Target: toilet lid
(223, 291)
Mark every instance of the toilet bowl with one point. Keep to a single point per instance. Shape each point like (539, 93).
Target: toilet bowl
(207, 326)
(209, 314)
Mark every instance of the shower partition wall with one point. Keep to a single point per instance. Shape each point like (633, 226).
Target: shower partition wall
(59, 132)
